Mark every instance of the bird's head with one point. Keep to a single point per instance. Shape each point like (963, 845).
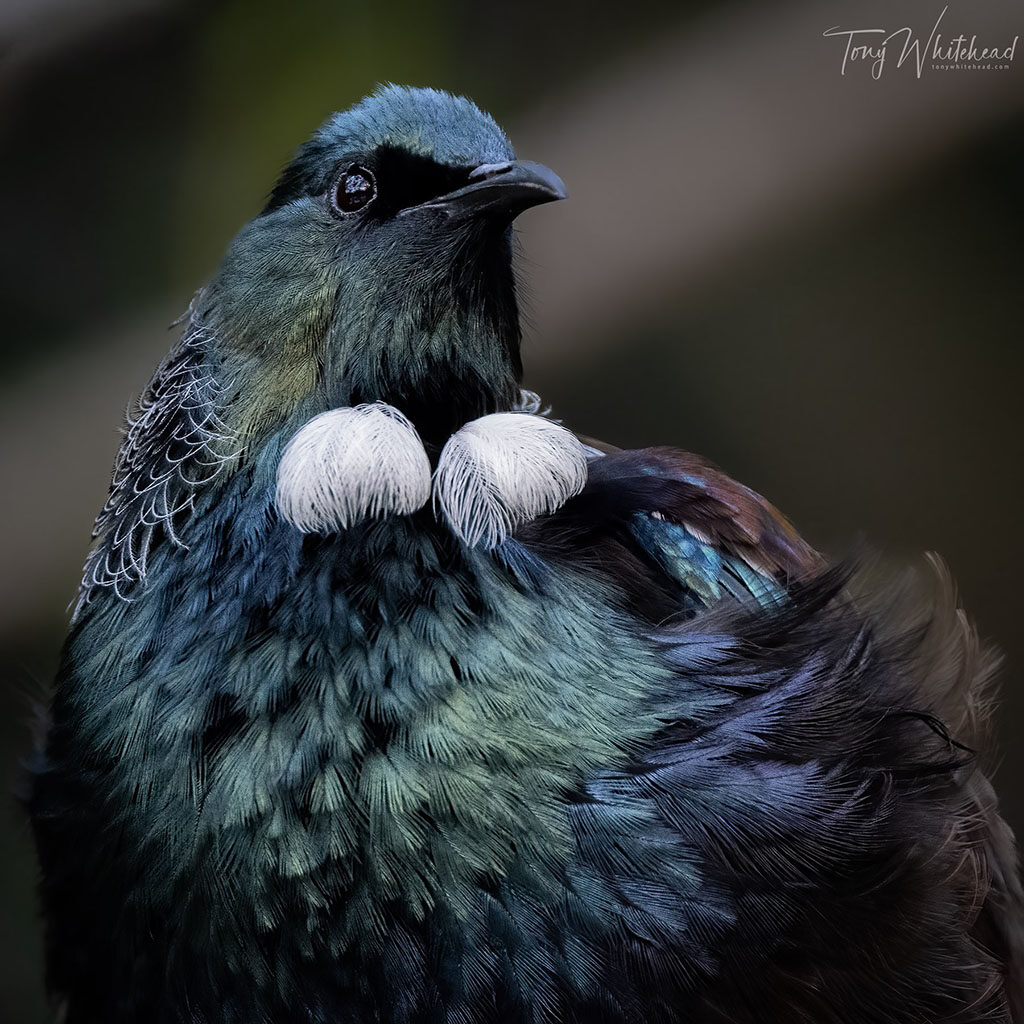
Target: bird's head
(380, 268)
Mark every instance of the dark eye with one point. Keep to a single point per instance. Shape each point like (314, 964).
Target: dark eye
(355, 189)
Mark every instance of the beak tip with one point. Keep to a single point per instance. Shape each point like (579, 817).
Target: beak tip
(542, 178)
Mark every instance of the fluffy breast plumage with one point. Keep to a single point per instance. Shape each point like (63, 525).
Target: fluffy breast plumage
(402, 780)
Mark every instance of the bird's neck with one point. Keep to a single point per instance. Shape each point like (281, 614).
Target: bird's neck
(434, 332)
(444, 351)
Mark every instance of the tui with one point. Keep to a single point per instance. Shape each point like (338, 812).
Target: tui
(388, 698)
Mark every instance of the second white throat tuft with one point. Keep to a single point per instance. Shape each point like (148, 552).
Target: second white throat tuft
(503, 470)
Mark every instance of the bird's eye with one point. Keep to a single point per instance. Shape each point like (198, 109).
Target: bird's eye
(356, 188)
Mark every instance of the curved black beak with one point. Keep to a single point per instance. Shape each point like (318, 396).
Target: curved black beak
(504, 189)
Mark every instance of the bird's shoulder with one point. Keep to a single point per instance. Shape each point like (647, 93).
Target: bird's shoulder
(679, 526)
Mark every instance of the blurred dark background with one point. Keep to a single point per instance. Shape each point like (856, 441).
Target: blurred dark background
(812, 278)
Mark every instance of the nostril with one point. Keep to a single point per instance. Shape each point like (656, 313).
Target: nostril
(485, 171)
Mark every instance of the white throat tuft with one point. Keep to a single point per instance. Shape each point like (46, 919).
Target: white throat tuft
(350, 464)
(503, 470)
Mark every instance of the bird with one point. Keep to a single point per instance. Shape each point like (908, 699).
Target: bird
(388, 697)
